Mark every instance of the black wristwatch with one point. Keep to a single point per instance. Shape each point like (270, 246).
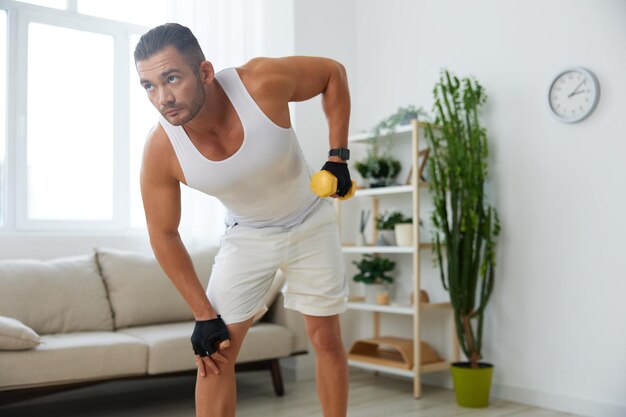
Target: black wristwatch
(343, 153)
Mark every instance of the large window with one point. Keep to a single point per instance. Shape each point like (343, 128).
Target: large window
(142, 119)
(3, 112)
(70, 137)
(70, 150)
(57, 4)
(147, 13)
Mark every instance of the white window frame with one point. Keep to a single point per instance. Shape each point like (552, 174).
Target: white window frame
(19, 15)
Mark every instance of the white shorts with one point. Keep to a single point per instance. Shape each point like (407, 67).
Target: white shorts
(308, 254)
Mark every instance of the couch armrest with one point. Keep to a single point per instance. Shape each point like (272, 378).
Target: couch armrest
(293, 320)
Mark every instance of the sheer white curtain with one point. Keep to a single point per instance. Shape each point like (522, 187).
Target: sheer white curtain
(230, 33)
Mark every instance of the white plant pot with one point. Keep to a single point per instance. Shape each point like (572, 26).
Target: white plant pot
(374, 292)
(404, 234)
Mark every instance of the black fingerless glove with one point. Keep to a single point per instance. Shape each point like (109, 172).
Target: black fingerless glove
(207, 335)
(339, 170)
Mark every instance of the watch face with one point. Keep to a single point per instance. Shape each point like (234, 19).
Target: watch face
(573, 94)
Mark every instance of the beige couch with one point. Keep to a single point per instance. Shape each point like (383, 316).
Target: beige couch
(114, 315)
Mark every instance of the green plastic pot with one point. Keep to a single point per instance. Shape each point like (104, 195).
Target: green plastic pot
(472, 386)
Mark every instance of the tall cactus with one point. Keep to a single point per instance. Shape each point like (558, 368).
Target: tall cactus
(465, 225)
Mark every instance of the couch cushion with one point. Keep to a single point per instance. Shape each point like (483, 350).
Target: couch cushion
(170, 346)
(57, 296)
(266, 341)
(15, 335)
(73, 357)
(141, 293)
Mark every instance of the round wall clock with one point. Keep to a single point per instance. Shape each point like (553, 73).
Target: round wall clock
(573, 94)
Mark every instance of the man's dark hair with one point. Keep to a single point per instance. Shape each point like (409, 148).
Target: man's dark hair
(170, 34)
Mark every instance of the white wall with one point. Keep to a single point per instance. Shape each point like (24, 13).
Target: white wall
(322, 28)
(555, 328)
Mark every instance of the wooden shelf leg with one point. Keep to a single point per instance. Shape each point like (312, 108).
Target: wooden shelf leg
(374, 217)
(376, 320)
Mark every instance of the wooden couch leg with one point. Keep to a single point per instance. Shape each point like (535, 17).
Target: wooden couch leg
(277, 377)
(274, 367)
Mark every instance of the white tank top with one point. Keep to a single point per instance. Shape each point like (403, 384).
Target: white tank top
(266, 182)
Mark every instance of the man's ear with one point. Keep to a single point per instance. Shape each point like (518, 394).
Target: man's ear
(206, 72)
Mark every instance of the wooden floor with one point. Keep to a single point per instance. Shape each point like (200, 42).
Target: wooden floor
(370, 396)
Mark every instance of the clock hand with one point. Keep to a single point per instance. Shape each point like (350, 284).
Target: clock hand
(573, 93)
(576, 92)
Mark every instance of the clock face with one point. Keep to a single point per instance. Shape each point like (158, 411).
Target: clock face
(573, 94)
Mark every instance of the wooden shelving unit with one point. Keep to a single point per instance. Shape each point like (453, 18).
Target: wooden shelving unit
(404, 358)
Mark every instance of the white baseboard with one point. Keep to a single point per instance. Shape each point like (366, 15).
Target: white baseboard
(560, 402)
(549, 400)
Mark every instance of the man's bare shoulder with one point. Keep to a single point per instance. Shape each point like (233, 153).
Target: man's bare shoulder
(264, 65)
(294, 78)
(157, 154)
(157, 144)
(261, 71)
(288, 65)
(265, 75)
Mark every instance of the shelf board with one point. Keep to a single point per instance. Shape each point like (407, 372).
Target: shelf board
(378, 249)
(399, 131)
(392, 309)
(384, 249)
(424, 369)
(381, 368)
(392, 189)
(404, 309)
(368, 136)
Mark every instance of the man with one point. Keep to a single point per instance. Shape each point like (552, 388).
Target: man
(229, 135)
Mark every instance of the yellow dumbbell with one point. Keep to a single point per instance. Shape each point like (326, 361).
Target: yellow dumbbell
(324, 184)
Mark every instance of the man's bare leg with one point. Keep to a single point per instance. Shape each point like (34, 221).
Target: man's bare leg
(331, 364)
(216, 395)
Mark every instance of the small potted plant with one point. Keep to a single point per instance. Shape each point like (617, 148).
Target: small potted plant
(373, 272)
(401, 117)
(386, 223)
(404, 231)
(379, 171)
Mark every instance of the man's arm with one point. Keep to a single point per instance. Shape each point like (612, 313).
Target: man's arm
(160, 191)
(299, 78)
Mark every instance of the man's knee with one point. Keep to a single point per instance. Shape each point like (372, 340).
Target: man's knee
(326, 337)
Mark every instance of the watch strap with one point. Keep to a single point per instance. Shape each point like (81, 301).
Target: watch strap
(343, 153)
